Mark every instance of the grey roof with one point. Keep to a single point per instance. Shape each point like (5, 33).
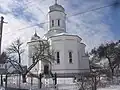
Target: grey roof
(65, 34)
(35, 37)
(56, 7)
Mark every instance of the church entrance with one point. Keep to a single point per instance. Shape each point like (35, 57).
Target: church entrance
(46, 69)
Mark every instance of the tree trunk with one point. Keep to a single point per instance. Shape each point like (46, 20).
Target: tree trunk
(95, 84)
(1, 80)
(111, 68)
(19, 73)
(6, 82)
(40, 81)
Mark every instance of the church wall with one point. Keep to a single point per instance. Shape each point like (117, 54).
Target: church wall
(71, 45)
(55, 15)
(31, 50)
(58, 46)
(82, 48)
(84, 60)
(79, 51)
(84, 65)
(64, 44)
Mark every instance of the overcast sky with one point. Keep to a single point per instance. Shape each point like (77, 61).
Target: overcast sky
(95, 27)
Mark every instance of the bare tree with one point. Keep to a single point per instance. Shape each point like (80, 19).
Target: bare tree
(16, 49)
(109, 51)
(42, 52)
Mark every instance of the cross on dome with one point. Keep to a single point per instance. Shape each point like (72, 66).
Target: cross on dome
(35, 34)
(55, 1)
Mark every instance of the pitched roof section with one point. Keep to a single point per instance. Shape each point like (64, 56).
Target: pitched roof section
(35, 37)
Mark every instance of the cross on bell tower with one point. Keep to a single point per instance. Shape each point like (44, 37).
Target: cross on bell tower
(57, 20)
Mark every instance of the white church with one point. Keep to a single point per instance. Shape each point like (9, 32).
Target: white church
(69, 50)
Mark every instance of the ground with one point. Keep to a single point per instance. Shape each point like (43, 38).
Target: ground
(115, 87)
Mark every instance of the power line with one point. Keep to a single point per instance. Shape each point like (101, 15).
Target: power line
(33, 4)
(115, 3)
(40, 10)
(33, 24)
(25, 27)
(71, 15)
(93, 10)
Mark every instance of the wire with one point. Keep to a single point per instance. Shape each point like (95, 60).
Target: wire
(115, 3)
(30, 25)
(41, 10)
(25, 27)
(71, 15)
(33, 4)
(93, 10)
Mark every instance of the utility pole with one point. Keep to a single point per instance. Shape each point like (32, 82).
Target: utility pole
(1, 29)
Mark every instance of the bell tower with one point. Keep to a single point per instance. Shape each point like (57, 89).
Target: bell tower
(57, 20)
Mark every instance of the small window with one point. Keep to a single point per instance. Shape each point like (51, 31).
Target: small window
(70, 57)
(33, 59)
(1, 65)
(58, 57)
(58, 22)
(52, 23)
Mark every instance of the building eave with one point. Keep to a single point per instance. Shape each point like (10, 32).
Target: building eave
(35, 41)
(66, 35)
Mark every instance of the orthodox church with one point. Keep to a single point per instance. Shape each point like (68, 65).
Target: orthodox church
(69, 50)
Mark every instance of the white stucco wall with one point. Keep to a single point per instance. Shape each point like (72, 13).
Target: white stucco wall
(55, 15)
(31, 50)
(84, 64)
(64, 44)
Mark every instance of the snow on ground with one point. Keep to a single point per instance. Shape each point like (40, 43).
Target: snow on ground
(114, 87)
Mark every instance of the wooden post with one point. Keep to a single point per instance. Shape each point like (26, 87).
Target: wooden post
(6, 76)
(55, 76)
(1, 80)
(95, 83)
(40, 80)
(1, 27)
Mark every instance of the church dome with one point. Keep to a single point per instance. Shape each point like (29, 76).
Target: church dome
(35, 37)
(56, 7)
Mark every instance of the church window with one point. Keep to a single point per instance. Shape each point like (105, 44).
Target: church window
(70, 57)
(58, 57)
(78, 55)
(46, 69)
(33, 59)
(58, 22)
(52, 23)
(1, 65)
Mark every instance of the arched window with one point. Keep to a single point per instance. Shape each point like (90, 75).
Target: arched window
(58, 22)
(33, 59)
(46, 69)
(52, 23)
(58, 57)
(70, 57)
